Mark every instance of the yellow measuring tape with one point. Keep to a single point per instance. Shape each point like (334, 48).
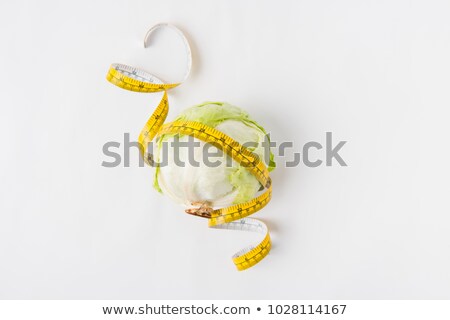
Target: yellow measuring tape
(233, 217)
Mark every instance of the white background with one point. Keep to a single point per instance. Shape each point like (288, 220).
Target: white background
(375, 73)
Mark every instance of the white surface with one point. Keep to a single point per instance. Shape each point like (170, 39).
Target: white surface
(375, 73)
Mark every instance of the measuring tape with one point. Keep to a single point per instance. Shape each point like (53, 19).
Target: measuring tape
(232, 217)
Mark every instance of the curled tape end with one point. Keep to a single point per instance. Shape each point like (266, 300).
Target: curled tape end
(183, 38)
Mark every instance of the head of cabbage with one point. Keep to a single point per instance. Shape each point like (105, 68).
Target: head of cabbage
(219, 181)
